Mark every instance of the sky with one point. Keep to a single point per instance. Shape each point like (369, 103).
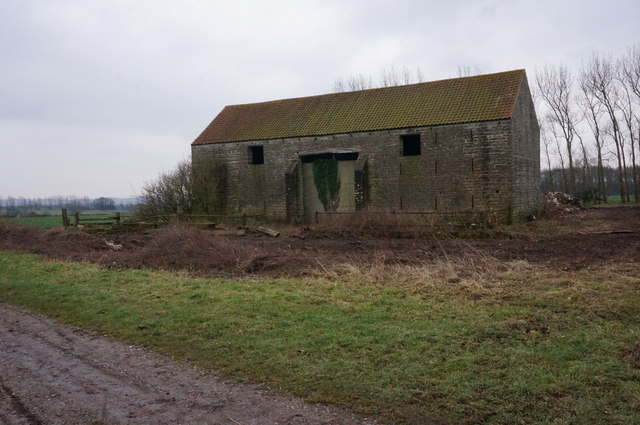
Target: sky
(98, 97)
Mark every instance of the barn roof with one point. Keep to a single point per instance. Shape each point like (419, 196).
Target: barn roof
(457, 100)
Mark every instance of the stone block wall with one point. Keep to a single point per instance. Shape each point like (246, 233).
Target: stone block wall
(525, 155)
(460, 167)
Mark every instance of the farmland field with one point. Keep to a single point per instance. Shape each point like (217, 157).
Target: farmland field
(540, 325)
(55, 220)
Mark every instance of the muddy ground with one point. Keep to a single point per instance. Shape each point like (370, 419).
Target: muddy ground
(52, 374)
(585, 238)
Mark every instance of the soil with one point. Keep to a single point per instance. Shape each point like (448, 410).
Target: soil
(581, 239)
(53, 374)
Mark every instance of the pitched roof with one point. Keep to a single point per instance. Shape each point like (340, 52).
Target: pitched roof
(458, 100)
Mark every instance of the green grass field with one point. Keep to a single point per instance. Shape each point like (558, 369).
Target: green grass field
(56, 220)
(531, 346)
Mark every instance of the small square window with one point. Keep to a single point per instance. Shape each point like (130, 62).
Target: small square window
(410, 144)
(256, 155)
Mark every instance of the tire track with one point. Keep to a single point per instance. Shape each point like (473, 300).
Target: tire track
(55, 374)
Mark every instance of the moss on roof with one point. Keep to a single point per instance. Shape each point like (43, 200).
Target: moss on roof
(458, 100)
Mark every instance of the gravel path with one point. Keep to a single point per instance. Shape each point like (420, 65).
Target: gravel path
(54, 374)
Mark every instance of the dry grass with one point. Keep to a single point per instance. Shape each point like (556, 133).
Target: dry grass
(179, 246)
(468, 269)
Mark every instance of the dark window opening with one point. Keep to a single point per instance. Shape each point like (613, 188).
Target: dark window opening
(256, 155)
(410, 144)
(341, 156)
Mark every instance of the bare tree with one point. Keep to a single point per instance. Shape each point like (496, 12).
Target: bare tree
(388, 78)
(631, 120)
(558, 145)
(554, 86)
(546, 142)
(468, 70)
(630, 75)
(171, 193)
(592, 111)
(599, 78)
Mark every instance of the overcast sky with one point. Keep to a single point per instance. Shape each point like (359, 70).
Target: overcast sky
(99, 96)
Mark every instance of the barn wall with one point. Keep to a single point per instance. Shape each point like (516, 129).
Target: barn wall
(525, 155)
(461, 167)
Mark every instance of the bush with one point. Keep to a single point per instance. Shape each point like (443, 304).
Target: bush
(171, 193)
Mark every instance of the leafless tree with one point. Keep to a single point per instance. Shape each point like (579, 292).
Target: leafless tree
(599, 78)
(171, 193)
(388, 78)
(592, 111)
(630, 76)
(631, 120)
(468, 70)
(546, 143)
(554, 87)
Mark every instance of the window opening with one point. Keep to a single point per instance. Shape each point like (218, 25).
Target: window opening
(256, 155)
(410, 144)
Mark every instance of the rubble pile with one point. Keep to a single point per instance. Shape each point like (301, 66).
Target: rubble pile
(560, 202)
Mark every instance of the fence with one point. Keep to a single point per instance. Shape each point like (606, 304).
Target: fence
(78, 220)
(242, 219)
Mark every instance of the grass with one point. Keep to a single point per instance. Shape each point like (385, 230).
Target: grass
(44, 221)
(613, 201)
(56, 220)
(526, 345)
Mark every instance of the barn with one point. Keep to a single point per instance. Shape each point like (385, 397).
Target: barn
(469, 144)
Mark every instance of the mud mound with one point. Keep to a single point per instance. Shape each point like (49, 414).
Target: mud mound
(64, 243)
(180, 247)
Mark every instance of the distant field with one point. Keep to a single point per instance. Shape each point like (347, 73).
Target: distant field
(56, 220)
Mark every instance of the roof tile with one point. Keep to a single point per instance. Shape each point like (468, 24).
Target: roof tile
(468, 99)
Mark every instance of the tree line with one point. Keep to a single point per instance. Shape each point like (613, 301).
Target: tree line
(23, 205)
(590, 128)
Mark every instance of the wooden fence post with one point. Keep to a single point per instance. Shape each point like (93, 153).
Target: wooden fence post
(117, 217)
(65, 218)
(76, 218)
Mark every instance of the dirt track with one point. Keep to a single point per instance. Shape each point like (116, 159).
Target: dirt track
(52, 374)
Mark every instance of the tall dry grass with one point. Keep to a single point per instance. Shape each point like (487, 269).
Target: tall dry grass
(467, 268)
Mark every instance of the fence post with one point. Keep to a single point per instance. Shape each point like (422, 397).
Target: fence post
(76, 218)
(65, 218)
(117, 217)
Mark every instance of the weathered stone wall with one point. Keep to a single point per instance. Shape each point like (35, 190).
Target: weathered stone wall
(461, 167)
(525, 155)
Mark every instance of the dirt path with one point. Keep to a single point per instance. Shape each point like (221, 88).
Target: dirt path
(53, 374)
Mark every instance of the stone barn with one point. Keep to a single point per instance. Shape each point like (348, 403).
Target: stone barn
(466, 144)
